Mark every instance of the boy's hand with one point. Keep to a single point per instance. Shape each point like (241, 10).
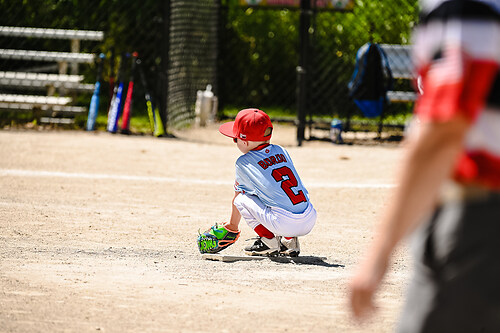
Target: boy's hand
(216, 238)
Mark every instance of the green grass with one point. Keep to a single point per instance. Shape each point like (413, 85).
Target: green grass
(273, 112)
(139, 123)
(280, 113)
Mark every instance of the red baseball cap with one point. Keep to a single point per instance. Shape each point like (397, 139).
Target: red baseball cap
(249, 125)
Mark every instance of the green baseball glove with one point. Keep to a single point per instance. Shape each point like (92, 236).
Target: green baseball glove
(216, 238)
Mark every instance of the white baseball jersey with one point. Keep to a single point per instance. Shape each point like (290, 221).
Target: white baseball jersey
(270, 175)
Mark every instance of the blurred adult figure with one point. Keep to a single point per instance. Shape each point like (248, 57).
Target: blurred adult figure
(448, 195)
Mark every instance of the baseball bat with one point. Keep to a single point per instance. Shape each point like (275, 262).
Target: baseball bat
(116, 102)
(94, 101)
(159, 130)
(128, 100)
(147, 96)
(111, 76)
(153, 112)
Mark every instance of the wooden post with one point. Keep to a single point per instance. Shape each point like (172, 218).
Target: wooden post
(75, 48)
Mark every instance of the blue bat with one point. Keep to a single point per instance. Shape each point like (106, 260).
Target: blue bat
(94, 102)
(116, 103)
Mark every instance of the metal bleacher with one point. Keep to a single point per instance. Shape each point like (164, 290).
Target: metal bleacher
(57, 99)
(399, 57)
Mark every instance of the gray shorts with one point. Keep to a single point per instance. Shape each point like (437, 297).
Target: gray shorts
(456, 282)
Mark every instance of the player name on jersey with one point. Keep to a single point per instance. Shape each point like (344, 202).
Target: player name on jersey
(272, 160)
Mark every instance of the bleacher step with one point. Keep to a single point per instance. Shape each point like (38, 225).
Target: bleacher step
(43, 80)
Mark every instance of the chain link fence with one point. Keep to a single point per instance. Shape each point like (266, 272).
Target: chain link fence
(192, 56)
(248, 54)
(336, 39)
(260, 52)
(126, 27)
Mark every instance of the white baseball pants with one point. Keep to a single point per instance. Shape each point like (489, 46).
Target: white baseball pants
(277, 220)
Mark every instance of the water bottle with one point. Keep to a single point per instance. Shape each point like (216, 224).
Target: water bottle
(336, 131)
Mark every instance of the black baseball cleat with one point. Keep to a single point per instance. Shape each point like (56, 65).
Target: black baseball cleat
(264, 247)
(289, 247)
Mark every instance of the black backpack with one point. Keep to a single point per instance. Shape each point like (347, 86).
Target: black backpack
(371, 80)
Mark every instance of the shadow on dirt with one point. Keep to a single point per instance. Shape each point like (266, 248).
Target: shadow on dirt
(306, 260)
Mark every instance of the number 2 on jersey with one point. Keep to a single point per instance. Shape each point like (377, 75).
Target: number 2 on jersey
(287, 184)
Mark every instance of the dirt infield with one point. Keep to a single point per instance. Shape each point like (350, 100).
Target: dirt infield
(97, 233)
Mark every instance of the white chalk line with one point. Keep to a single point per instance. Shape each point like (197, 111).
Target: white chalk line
(80, 175)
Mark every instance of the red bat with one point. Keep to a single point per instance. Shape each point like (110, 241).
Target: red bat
(128, 100)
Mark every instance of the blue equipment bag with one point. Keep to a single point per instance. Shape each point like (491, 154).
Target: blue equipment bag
(371, 80)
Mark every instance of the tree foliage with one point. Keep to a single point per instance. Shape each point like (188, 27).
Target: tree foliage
(260, 51)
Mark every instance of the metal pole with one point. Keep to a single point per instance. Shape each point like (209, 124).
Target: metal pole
(165, 48)
(222, 14)
(303, 68)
